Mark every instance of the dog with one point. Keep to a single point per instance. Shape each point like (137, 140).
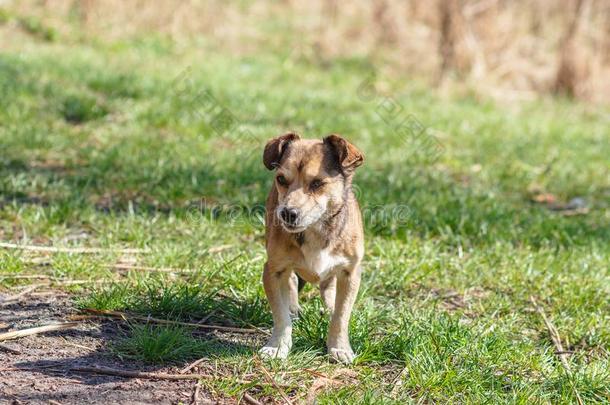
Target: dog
(313, 233)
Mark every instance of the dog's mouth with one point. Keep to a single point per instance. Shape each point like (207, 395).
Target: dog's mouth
(293, 228)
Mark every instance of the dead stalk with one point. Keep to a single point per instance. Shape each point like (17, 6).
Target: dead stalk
(192, 366)
(561, 353)
(139, 374)
(250, 399)
(37, 330)
(9, 349)
(125, 316)
(272, 381)
(84, 250)
(120, 266)
(17, 297)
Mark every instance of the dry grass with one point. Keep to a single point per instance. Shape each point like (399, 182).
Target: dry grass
(505, 49)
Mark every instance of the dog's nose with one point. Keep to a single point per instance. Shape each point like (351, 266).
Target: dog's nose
(289, 215)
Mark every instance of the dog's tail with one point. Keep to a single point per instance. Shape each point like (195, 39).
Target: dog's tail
(301, 283)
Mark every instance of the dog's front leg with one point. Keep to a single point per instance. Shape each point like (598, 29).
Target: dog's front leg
(277, 288)
(338, 344)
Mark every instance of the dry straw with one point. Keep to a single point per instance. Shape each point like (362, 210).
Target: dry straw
(507, 49)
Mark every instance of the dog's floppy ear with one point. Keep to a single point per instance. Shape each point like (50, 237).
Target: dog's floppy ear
(349, 156)
(276, 147)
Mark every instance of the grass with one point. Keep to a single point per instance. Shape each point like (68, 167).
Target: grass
(156, 344)
(118, 145)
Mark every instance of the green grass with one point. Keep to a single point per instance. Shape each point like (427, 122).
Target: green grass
(113, 145)
(159, 345)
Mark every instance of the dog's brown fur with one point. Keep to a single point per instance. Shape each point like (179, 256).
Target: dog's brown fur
(325, 244)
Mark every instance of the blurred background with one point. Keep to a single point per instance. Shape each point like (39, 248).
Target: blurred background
(510, 50)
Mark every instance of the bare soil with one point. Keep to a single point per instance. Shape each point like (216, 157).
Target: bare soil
(39, 369)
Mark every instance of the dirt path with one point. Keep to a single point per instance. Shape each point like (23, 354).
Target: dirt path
(39, 372)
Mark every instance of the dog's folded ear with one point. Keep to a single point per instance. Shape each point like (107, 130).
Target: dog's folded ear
(276, 147)
(349, 156)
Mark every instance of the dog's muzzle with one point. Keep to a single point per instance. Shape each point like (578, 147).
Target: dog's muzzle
(290, 219)
(290, 216)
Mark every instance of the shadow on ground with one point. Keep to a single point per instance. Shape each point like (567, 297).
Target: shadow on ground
(42, 366)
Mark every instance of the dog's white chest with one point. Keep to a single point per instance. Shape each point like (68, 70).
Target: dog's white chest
(322, 262)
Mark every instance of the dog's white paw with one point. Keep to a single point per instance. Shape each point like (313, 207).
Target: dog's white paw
(342, 355)
(279, 351)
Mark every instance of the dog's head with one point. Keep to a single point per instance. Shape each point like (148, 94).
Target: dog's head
(312, 177)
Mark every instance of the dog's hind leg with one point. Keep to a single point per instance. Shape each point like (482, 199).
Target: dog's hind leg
(277, 289)
(294, 286)
(348, 283)
(328, 291)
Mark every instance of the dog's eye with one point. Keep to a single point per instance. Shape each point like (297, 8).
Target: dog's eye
(316, 184)
(282, 180)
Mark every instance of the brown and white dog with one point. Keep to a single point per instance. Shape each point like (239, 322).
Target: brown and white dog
(313, 231)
